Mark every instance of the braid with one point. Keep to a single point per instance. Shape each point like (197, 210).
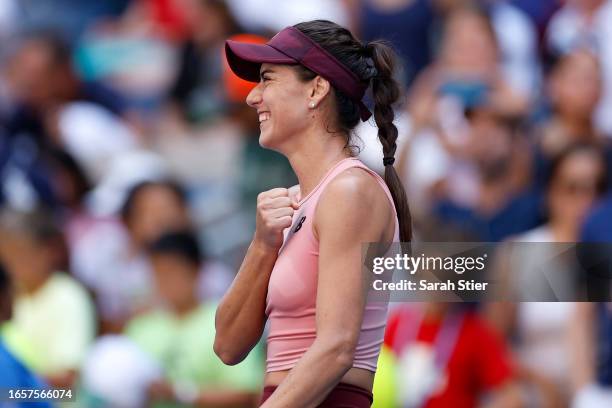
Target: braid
(386, 92)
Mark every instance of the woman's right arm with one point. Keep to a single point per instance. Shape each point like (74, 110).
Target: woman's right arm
(240, 317)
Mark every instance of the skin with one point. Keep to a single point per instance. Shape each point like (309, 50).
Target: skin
(575, 87)
(28, 261)
(575, 90)
(573, 193)
(175, 280)
(156, 209)
(299, 132)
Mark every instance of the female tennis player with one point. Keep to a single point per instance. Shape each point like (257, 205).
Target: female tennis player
(302, 270)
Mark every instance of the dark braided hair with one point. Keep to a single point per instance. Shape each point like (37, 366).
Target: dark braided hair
(373, 62)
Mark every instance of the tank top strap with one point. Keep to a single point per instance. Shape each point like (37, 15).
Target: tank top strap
(312, 198)
(338, 168)
(328, 177)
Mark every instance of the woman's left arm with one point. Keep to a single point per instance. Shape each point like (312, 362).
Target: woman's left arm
(351, 211)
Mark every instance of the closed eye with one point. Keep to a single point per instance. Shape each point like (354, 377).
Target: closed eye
(264, 75)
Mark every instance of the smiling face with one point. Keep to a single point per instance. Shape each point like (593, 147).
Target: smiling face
(282, 101)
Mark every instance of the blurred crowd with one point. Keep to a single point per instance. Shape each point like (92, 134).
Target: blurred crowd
(130, 166)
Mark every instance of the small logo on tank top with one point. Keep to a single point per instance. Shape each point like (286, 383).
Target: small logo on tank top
(299, 225)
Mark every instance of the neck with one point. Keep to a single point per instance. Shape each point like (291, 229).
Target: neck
(577, 126)
(314, 157)
(493, 195)
(31, 286)
(564, 230)
(186, 307)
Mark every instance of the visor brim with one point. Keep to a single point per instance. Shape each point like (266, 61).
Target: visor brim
(245, 59)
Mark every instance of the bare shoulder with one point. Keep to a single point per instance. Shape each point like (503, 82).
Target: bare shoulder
(349, 200)
(354, 184)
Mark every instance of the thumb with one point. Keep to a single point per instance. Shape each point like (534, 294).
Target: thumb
(294, 194)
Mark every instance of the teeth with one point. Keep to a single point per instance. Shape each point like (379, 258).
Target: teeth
(263, 116)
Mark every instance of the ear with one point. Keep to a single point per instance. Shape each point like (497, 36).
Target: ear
(319, 90)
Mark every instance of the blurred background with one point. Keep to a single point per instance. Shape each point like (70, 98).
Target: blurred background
(130, 166)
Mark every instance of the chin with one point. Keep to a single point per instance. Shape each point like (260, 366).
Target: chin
(266, 140)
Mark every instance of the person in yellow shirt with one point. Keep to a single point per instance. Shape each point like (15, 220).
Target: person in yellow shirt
(52, 312)
(179, 336)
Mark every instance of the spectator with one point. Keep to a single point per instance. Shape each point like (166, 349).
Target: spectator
(111, 259)
(465, 77)
(197, 94)
(574, 90)
(13, 374)
(586, 23)
(578, 178)
(469, 55)
(180, 335)
(41, 77)
(43, 88)
(541, 329)
(448, 356)
(499, 205)
(52, 311)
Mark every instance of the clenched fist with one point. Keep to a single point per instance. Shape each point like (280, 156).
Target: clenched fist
(275, 210)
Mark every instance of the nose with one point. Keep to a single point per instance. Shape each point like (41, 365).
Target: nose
(254, 97)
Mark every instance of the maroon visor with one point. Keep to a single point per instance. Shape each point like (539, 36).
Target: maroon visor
(291, 46)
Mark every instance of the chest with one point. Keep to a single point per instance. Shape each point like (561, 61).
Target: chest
(293, 282)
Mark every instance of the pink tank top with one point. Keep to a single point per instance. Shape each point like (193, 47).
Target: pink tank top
(292, 289)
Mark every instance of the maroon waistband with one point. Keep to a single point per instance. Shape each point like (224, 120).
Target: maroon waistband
(342, 396)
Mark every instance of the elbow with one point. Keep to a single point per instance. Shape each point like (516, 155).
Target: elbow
(221, 346)
(342, 350)
(224, 353)
(345, 360)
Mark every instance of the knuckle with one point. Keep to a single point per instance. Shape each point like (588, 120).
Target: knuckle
(284, 202)
(266, 203)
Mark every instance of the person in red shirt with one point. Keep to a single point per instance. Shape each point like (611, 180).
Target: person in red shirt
(447, 356)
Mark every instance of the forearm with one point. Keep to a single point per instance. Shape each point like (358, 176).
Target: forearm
(314, 376)
(240, 316)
